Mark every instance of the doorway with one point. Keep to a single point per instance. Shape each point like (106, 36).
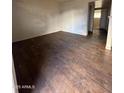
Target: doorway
(98, 20)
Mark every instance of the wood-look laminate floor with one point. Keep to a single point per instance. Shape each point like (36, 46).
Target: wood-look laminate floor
(62, 62)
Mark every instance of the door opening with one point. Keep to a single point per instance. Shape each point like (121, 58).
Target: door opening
(91, 16)
(98, 20)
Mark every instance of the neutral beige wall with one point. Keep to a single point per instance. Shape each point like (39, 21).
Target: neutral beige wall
(34, 18)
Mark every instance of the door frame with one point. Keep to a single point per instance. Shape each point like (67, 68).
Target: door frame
(91, 9)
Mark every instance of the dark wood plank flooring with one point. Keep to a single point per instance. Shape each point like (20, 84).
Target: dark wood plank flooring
(62, 62)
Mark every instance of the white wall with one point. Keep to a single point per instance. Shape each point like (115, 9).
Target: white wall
(109, 36)
(97, 14)
(33, 18)
(74, 15)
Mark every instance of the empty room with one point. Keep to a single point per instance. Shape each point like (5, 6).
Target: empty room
(62, 46)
